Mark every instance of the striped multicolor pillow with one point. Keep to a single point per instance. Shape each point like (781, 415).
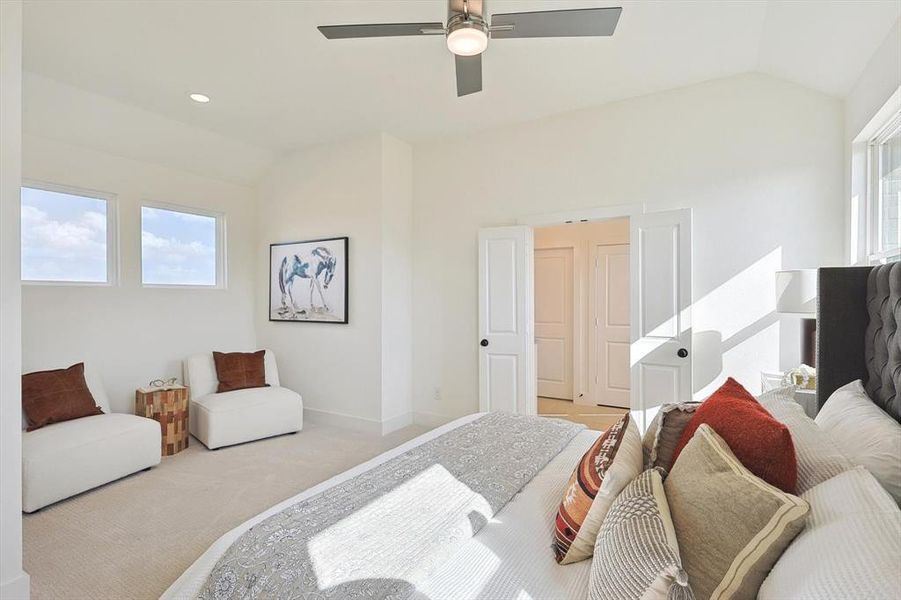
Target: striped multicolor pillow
(610, 464)
(636, 554)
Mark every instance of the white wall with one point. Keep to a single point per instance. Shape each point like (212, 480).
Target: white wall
(865, 112)
(13, 581)
(397, 281)
(353, 189)
(879, 80)
(758, 159)
(131, 333)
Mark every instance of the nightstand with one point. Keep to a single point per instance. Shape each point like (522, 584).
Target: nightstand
(807, 398)
(168, 406)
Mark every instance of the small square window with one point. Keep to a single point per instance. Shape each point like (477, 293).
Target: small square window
(179, 247)
(67, 236)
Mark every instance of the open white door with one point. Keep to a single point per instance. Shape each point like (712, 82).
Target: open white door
(506, 316)
(661, 311)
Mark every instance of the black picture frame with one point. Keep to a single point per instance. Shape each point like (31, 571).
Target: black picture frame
(302, 250)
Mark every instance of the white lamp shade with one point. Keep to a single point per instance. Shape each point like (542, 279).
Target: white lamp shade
(796, 292)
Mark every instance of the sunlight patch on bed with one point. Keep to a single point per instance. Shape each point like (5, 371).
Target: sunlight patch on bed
(388, 537)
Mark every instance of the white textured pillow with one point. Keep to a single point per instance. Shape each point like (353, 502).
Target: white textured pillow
(818, 457)
(865, 434)
(850, 548)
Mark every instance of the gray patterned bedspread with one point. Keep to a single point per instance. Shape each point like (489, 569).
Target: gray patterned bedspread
(377, 534)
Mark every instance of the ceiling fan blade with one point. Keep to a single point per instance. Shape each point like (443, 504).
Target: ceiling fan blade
(469, 74)
(556, 23)
(339, 32)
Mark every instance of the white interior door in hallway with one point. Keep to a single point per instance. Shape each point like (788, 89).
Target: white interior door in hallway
(608, 351)
(554, 321)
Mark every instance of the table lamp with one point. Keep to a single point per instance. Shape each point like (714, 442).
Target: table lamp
(796, 294)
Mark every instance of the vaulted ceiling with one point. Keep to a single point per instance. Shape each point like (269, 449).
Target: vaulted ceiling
(276, 83)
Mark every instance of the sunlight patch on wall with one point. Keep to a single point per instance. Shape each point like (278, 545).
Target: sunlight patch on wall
(739, 317)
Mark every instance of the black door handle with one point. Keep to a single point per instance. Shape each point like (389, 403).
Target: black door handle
(682, 353)
(483, 343)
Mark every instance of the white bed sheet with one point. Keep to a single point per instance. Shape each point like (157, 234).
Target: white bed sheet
(510, 557)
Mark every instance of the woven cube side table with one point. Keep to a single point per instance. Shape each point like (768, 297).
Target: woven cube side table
(170, 408)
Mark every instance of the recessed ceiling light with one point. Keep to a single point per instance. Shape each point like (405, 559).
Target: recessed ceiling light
(202, 98)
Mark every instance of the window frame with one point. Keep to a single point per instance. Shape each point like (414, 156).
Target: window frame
(112, 232)
(875, 254)
(221, 245)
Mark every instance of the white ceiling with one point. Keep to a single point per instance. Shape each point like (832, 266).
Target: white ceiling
(275, 82)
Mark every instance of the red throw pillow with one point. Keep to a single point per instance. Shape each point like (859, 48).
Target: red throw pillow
(762, 444)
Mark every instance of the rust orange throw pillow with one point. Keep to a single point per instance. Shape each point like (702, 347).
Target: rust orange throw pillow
(760, 442)
(613, 461)
(55, 396)
(240, 370)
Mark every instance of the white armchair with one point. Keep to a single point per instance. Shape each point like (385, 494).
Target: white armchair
(242, 415)
(64, 459)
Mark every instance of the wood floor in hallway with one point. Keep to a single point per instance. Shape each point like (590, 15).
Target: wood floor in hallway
(594, 417)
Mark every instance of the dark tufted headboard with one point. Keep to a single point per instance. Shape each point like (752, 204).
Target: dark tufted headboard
(857, 332)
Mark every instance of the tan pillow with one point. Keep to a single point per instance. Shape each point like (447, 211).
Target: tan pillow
(240, 370)
(55, 396)
(663, 435)
(606, 468)
(731, 525)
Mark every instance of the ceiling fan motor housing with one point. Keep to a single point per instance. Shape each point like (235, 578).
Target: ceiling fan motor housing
(467, 34)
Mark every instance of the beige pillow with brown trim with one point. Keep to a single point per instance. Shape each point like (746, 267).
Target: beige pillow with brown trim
(731, 525)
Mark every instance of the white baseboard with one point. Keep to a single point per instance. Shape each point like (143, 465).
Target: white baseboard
(394, 423)
(334, 419)
(345, 421)
(16, 588)
(430, 419)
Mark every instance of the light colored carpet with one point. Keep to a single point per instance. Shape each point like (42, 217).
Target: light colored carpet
(132, 538)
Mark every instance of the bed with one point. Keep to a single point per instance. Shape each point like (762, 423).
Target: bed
(508, 555)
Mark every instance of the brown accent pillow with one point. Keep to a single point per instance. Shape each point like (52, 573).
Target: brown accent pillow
(240, 370)
(55, 396)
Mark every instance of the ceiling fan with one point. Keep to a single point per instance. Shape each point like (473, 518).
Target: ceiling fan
(468, 30)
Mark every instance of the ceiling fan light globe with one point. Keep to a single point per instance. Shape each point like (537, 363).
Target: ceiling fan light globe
(467, 41)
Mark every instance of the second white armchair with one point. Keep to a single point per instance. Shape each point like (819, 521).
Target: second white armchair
(227, 418)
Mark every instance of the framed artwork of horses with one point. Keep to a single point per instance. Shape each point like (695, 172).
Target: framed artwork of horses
(308, 281)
